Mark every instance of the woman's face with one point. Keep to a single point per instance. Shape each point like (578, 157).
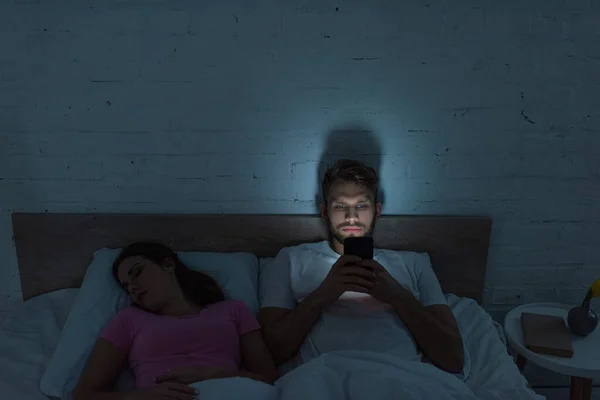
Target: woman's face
(148, 283)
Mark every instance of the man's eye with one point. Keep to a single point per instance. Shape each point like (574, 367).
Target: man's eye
(338, 207)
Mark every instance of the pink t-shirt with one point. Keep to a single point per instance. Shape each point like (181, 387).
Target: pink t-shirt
(158, 343)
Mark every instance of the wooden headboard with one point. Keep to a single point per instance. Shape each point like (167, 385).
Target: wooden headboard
(54, 250)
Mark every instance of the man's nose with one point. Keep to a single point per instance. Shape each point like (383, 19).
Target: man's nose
(351, 214)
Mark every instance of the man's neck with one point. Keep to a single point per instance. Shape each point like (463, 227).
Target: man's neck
(336, 246)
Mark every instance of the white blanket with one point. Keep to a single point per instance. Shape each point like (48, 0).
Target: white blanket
(490, 371)
(28, 337)
(358, 375)
(489, 374)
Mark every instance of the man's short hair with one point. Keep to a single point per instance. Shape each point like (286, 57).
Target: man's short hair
(350, 171)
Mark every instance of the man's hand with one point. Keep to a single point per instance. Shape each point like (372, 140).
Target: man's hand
(192, 374)
(385, 289)
(345, 275)
(434, 327)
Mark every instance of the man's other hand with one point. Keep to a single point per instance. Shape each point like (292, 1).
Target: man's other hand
(385, 288)
(345, 275)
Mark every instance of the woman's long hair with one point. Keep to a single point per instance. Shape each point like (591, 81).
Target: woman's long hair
(199, 287)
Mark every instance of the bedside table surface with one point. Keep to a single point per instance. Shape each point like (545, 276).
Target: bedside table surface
(585, 362)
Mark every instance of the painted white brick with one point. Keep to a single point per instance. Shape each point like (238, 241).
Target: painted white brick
(508, 296)
(304, 175)
(24, 193)
(522, 276)
(36, 167)
(515, 234)
(213, 117)
(3, 315)
(541, 295)
(524, 142)
(545, 233)
(484, 189)
(571, 165)
(561, 166)
(580, 275)
(430, 167)
(576, 5)
(514, 257)
(408, 200)
(123, 168)
(136, 143)
(484, 165)
(593, 255)
(571, 296)
(536, 211)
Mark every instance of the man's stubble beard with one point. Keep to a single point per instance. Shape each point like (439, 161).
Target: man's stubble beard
(337, 234)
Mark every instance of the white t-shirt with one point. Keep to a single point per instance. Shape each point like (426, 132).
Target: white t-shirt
(356, 321)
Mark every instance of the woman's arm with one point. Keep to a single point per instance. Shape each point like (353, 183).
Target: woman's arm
(101, 372)
(256, 358)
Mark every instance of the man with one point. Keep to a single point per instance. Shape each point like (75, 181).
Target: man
(316, 300)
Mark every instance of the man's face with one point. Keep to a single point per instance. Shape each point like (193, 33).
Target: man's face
(351, 210)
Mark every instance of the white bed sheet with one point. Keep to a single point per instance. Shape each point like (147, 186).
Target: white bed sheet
(28, 337)
(493, 372)
(30, 333)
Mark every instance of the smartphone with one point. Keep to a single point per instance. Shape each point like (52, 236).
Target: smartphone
(359, 246)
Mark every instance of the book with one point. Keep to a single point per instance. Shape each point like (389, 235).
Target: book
(546, 334)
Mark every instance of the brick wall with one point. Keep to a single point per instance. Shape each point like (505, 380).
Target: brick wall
(477, 107)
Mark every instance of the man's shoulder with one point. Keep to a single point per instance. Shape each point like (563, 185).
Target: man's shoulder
(312, 247)
(408, 258)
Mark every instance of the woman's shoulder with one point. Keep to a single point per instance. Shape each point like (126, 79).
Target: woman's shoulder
(228, 303)
(123, 321)
(129, 313)
(231, 304)
(131, 310)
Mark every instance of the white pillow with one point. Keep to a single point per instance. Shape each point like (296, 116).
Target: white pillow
(101, 298)
(263, 262)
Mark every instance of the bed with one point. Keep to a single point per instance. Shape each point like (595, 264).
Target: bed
(54, 251)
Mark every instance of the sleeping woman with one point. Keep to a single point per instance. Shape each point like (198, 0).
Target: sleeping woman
(179, 330)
